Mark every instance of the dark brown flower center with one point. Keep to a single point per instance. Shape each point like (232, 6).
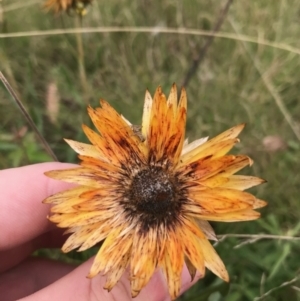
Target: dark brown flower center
(152, 191)
(154, 196)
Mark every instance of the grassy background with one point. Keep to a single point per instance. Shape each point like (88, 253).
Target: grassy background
(237, 82)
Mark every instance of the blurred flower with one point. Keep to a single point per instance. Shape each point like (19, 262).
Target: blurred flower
(149, 195)
(79, 6)
(274, 143)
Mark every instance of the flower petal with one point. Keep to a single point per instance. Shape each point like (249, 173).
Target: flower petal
(118, 134)
(235, 216)
(233, 182)
(94, 163)
(63, 196)
(242, 182)
(173, 264)
(207, 229)
(192, 249)
(212, 260)
(81, 219)
(217, 146)
(147, 114)
(114, 275)
(189, 147)
(206, 168)
(167, 128)
(172, 99)
(81, 176)
(144, 256)
(101, 145)
(222, 200)
(191, 268)
(79, 236)
(111, 252)
(85, 149)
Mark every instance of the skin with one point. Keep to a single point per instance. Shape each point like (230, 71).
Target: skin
(24, 229)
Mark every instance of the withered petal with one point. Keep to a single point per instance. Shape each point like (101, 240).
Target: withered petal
(212, 260)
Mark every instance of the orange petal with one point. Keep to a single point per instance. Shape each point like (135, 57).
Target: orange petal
(192, 249)
(173, 264)
(180, 129)
(206, 168)
(80, 219)
(182, 101)
(67, 206)
(144, 248)
(143, 258)
(212, 260)
(172, 99)
(222, 200)
(98, 203)
(216, 150)
(106, 260)
(235, 216)
(65, 195)
(189, 147)
(218, 145)
(101, 145)
(167, 127)
(239, 163)
(192, 270)
(259, 204)
(180, 123)
(86, 149)
(114, 275)
(192, 227)
(242, 182)
(207, 229)
(155, 150)
(118, 134)
(147, 114)
(81, 176)
(80, 235)
(156, 137)
(101, 232)
(94, 163)
(214, 181)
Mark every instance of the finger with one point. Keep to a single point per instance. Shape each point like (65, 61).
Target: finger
(22, 214)
(31, 276)
(12, 257)
(76, 287)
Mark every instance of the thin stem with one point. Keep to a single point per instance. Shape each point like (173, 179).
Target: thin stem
(153, 30)
(252, 238)
(268, 293)
(259, 236)
(271, 88)
(27, 116)
(203, 50)
(80, 59)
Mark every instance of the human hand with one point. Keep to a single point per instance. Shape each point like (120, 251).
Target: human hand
(24, 229)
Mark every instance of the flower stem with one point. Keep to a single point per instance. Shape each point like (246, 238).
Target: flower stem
(80, 60)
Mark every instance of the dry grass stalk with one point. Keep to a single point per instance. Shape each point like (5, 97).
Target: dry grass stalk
(52, 102)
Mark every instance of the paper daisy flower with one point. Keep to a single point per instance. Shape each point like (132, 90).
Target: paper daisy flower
(148, 196)
(79, 6)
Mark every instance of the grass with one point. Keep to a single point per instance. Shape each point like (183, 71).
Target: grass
(238, 81)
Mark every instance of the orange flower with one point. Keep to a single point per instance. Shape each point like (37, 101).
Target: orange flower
(148, 196)
(66, 5)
